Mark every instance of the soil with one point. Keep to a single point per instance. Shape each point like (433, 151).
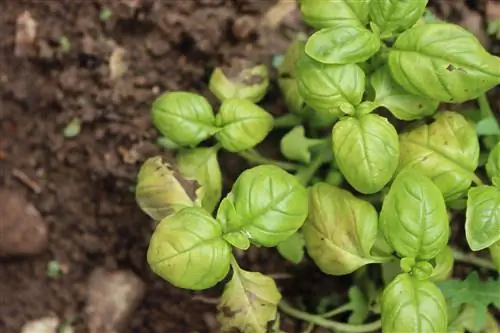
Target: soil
(83, 185)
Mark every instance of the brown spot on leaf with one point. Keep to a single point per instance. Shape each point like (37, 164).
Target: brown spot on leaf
(450, 68)
(227, 312)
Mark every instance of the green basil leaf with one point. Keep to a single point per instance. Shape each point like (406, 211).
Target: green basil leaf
(495, 254)
(342, 44)
(482, 221)
(243, 124)
(443, 62)
(325, 13)
(487, 126)
(412, 305)
(287, 78)
(249, 303)
(266, 204)
(161, 190)
(444, 265)
(401, 103)
(340, 230)
(447, 151)
(414, 219)
(392, 16)
(292, 248)
(296, 146)
(250, 83)
(366, 150)
(187, 250)
(327, 87)
(202, 165)
(493, 163)
(185, 118)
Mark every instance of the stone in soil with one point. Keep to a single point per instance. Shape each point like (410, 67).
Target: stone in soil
(42, 325)
(24, 232)
(113, 297)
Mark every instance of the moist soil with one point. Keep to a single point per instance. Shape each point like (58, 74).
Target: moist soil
(83, 185)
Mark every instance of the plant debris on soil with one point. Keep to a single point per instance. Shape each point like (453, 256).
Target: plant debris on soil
(112, 68)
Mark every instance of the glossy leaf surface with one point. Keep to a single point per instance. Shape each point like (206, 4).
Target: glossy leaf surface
(447, 151)
(412, 305)
(443, 62)
(266, 204)
(323, 14)
(444, 265)
(340, 230)
(187, 250)
(366, 150)
(414, 219)
(243, 124)
(395, 15)
(482, 221)
(493, 163)
(185, 118)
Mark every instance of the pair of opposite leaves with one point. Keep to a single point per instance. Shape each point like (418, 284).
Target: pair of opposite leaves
(192, 250)
(439, 61)
(187, 119)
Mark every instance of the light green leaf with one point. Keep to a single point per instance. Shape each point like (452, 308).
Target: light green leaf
(266, 204)
(414, 219)
(296, 146)
(493, 163)
(342, 43)
(482, 221)
(325, 13)
(329, 87)
(466, 322)
(243, 124)
(73, 128)
(292, 248)
(185, 118)
(412, 305)
(340, 230)
(447, 151)
(444, 265)
(187, 250)
(401, 103)
(443, 62)
(393, 16)
(287, 77)
(249, 303)
(201, 164)
(161, 190)
(487, 126)
(495, 254)
(366, 150)
(360, 306)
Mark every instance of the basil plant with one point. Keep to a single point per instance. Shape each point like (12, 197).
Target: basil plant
(372, 169)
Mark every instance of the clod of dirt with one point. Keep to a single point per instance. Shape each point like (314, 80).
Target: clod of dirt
(113, 297)
(24, 232)
(117, 63)
(244, 27)
(42, 325)
(25, 35)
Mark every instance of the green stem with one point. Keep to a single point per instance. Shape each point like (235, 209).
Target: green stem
(485, 107)
(305, 175)
(471, 259)
(287, 120)
(337, 311)
(255, 158)
(476, 179)
(320, 321)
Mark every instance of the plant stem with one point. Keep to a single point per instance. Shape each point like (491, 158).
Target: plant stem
(320, 321)
(339, 310)
(255, 158)
(287, 120)
(305, 175)
(471, 259)
(485, 107)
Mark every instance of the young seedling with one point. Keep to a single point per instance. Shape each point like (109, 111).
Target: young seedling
(371, 198)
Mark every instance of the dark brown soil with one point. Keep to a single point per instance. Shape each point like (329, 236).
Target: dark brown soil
(87, 181)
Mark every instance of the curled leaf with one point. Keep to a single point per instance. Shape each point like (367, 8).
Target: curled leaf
(287, 79)
(184, 117)
(414, 219)
(443, 62)
(482, 221)
(443, 266)
(401, 103)
(340, 230)
(296, 146)
(187, 250)
(493, 163)
(292, 248)
(266, 204)
(243, 124)
(495, 254)
(366, 150)
(202, 165)
(447, 151)
(249, 303)
(161, 190)
(412, 305)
